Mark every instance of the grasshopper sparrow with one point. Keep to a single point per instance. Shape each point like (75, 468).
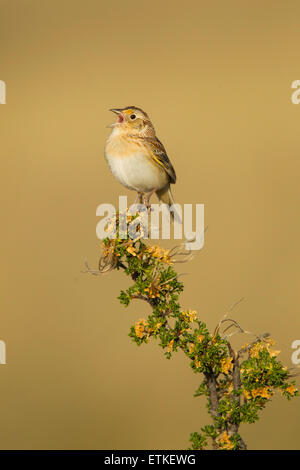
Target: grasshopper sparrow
(137, 158)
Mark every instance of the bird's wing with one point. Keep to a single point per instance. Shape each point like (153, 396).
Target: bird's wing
(159, 155)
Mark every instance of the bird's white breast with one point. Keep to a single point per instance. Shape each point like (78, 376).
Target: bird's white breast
(133, 167)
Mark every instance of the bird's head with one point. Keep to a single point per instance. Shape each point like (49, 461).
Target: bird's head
(132, 119)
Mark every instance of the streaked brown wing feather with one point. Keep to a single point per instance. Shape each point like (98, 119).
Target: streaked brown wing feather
(160, 156)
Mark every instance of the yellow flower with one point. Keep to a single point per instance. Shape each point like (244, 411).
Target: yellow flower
(153, 291)
(291, 390)
(170, 345)
(131, 250)
(191, 348)
(109, 249)
(157, 326)
(226, 365)
(225, 441)
(247, 394)
(197, 362)
(274, 353)
(256, 349)
(159, 253)
(190, 315)
(140, 328)
(261, 392)
(270, 341)
(200, 338)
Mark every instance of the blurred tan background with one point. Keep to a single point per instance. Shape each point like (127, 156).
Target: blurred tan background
(215, 77)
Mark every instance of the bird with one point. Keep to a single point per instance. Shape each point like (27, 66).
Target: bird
(137, 158)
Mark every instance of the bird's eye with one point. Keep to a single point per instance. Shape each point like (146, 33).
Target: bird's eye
(133, 116)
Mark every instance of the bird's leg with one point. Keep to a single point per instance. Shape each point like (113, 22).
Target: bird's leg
(138, 198)
(146, 198)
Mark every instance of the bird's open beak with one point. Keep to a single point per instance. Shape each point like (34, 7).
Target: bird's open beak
(115, 110)
(120, 116)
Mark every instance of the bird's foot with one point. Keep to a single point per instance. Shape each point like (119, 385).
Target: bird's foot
(146, 198)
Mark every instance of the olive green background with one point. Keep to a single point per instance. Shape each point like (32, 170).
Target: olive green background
(215, 77)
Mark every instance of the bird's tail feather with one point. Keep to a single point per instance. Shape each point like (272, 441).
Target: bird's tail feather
(165, 195)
